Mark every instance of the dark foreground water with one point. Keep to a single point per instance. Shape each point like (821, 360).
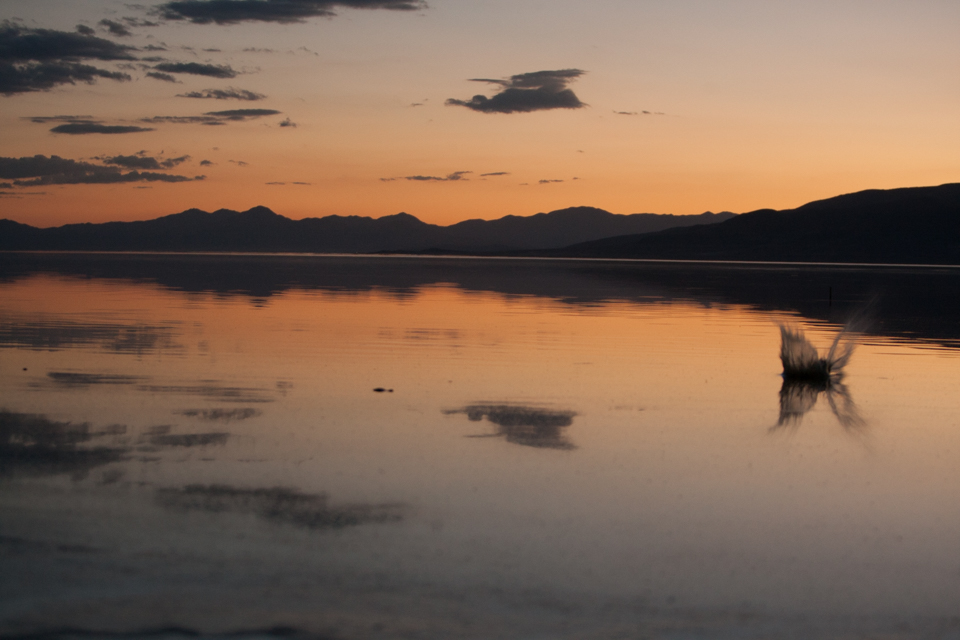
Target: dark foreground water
(323, 447)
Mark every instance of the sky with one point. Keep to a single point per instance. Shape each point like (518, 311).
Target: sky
(457, 109)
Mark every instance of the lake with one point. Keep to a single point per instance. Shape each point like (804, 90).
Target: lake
(383, 447)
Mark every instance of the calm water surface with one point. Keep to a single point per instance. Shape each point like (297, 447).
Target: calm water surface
(391, 447)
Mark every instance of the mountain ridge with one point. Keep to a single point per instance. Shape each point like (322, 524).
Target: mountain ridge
(259, 229)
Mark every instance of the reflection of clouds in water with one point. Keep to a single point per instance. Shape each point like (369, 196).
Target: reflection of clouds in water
(524, 425)
(55, 335)
(189, 439)
(69, 379)
(278, 504)
(33, 445)
(798, 397)
(220, 415)
(213, 391)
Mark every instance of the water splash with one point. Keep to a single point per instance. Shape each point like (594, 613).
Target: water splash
(802, 361)
(806, 376)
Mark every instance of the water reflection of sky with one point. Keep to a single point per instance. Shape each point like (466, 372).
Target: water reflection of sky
(604, 453)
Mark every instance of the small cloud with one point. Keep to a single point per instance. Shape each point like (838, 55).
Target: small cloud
(258, 50)
(211, 50)
(197, 69)
(626, 113)
(450, 177)
(83, 128)
(283, 11)
(85, 30)
(166, 77)
(154, 47)
(206, 163)
(549, 181)
(288, 123)
(239, 163)
(495, 173)
(230, 93)
(526, 92)
(115, 28)
(416, 104)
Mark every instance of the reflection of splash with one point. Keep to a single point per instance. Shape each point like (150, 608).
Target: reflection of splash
(528, 426)
(797, 397)
(278, 504)
(223, 415)
(34, 445)
(801, 360)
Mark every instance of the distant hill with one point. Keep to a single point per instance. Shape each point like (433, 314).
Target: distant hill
(919, 225)
(261, 230)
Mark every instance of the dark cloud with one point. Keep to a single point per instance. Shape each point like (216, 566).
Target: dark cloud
(536, 91)
(83, 128)
(285, 11)
(115, 28)
(166, 77)
(258, 50)
(549, 181)
(41, 170)
(197, 69)
(40, 59)
(287, 122)
(41, 76)
(230, 93)
(154, 47)
(142, 161)
(495, 173)
(85, 30)
(307, 184)
(206, 163)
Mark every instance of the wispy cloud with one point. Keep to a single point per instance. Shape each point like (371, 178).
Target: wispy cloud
(197, 69)
(284, 11)
(214, 117)
(526, 92)
(230, 93)
(41, 170)
(495, 173)
(166, 77)
(84, 128)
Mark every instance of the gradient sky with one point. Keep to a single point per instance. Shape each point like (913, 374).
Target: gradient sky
(678, 107)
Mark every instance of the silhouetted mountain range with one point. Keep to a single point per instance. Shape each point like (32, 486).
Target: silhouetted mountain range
(261, 230)
(919, 225)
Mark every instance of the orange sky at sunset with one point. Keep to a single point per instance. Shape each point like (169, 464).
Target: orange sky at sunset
(366, 107)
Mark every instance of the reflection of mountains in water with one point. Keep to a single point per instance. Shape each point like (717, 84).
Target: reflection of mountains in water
(907, 302)
(523, 425)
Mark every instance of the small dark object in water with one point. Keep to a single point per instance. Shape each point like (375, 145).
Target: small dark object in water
(382, 390)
